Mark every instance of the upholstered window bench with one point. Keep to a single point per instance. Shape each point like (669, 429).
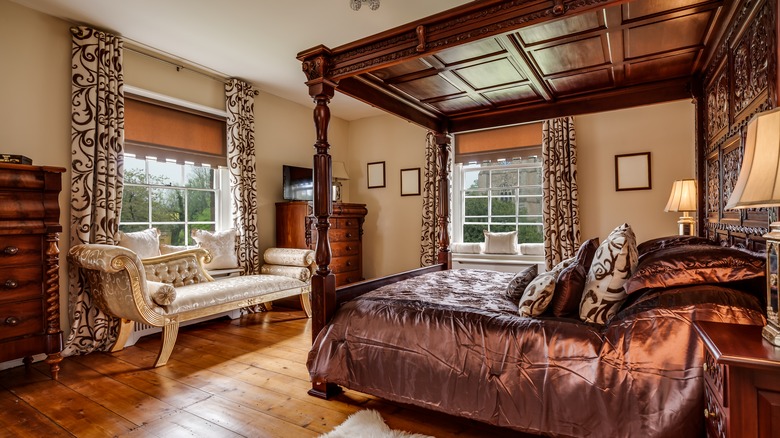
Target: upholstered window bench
(167, 290)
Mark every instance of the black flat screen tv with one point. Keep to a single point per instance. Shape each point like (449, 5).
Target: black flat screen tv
(297, 183)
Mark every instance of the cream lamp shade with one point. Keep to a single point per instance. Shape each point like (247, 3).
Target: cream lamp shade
(339, 170)
(759, 186)
(683, 197)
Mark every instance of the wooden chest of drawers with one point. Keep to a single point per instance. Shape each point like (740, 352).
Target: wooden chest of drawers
(29, 263)
(741, 381)
(296, 228)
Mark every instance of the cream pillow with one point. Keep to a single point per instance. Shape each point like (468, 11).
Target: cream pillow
(168, 249)
(144, 243)
(613, 263)
(221, 245)
(501, 243)
(539, 293)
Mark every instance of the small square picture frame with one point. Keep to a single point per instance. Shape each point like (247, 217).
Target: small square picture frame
(410, 182)
(632, 172)
(375, 173)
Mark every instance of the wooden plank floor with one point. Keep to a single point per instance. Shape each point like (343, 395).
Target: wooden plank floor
(240, 378)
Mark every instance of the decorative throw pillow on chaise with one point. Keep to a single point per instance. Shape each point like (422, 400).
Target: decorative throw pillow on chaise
(500, 243)
(221, 245)
(571, 281)
(520, 281)
(539, 293)
(169, 249)
(145, 243)
(612, 265)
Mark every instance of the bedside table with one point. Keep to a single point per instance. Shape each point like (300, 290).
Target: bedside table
(741, 381)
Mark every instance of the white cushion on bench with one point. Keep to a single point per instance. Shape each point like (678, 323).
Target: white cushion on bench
(228, 290)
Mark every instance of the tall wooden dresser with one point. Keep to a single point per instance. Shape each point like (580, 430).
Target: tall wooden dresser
(296, 228)
(29, 263)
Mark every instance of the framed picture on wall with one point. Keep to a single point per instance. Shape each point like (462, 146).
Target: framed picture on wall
(376, 174)
(410, 182)
(632, 172)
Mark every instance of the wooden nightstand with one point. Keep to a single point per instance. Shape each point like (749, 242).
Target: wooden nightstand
(742, 381)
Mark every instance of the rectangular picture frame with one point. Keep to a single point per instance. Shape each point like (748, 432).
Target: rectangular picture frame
(375, 172)
(632, 172)
(410, 182)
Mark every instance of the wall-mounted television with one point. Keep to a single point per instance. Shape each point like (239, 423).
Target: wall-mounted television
(297, 183)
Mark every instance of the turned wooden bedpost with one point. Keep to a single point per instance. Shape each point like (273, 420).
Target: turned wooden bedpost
(323, 282)
(443, 142)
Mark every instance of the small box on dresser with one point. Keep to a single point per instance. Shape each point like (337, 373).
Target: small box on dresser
(29, 263)
(741, 381)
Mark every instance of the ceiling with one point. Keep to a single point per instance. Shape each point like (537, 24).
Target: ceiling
(256, 40)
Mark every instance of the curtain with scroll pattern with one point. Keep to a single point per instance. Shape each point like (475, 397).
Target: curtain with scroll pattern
(560, 214)
(240, 101)
(97, 125)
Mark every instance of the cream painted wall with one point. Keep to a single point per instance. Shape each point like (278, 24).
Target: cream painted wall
(391, 238)
(667, 132)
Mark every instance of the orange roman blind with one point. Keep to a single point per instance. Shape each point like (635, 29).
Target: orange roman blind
(501, 143)
(168, 132)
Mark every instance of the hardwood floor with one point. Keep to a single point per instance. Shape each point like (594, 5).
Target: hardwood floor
(240, 378)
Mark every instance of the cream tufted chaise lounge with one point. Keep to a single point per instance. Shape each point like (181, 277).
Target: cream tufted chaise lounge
(167, 290)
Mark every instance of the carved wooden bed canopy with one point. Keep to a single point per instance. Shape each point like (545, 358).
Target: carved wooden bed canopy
(492, 63)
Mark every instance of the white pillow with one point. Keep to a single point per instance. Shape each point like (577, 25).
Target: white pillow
(168, 249)
(144, 243)
(221, 245)
(500, 243)
(615, 260)
(466, 248)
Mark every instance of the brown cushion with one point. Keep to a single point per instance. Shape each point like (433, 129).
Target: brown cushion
(520, 281)
(571, 281)
(698, 264)
(651, 245)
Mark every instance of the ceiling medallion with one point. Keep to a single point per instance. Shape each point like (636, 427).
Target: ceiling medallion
(356, 4)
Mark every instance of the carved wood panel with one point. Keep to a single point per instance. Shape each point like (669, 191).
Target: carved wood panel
(739, 82)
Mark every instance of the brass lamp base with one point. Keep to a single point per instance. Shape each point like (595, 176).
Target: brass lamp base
(771, 333)
(687, 225)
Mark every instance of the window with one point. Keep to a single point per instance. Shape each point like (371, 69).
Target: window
(174, 198)
(503, 196)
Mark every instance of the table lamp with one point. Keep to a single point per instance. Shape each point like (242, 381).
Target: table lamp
(758, 186)
(683, 199)
(339, 174)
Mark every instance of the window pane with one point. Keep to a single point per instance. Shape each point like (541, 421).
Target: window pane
(530, 234)
(135, 171)
(504, 219)
(201, 206)
(531, 191)
(502, 228)
(165, 174)
(476, 219)
(474, 233)
(504, 178)
(132, 228)
(503, 206)
(476, 206)
(135, 204)
(531, 176)
(530, 206)
(167, 205)
(171, 234)
(207, 227)
(476, 179)
(199, 177)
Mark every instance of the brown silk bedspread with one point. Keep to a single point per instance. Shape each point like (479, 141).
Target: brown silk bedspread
(464, 350)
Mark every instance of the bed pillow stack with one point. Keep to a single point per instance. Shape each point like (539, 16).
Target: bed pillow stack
(613, 263)
(571, 281)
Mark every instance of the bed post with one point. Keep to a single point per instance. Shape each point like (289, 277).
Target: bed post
(443, 142)
(323, 282)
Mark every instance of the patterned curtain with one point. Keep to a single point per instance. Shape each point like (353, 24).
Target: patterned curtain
(243, 174)
(560, 198)
(97, 121)
(428, 247)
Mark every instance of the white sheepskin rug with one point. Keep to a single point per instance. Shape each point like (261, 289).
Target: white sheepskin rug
(368, 424)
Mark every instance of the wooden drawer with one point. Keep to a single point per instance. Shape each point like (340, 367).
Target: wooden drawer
(716, 416)
(348, 277)
(715, 376)
(340, 249)
(344, 264)
(345, 223)
(21, 205)
(21, 318)
(21, 283)
(342, 235)
(20, 250)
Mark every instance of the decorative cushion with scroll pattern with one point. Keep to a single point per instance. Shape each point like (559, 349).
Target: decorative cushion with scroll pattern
(221, 245)
(538, 295)
(615, 260)
(289, 256)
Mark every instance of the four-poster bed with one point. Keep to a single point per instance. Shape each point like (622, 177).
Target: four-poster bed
(492, 63)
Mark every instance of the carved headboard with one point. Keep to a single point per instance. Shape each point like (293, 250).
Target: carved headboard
(739, 81)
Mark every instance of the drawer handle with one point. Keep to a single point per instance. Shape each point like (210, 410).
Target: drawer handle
(705, 367)
(10, 250)
(349, 263)
(349, 234)
(11, 284)
(349, 248)
(348, 223)
(709, 414)
(12, 321)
